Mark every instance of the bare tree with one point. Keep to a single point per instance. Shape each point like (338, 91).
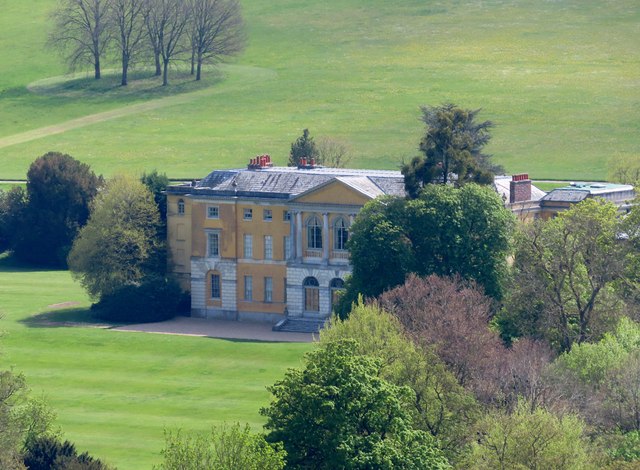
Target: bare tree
(81, 32)
(127, 18)
(216, 31)
(332, 153)
(166, 22)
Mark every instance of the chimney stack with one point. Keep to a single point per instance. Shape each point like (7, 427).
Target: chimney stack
(520, 188)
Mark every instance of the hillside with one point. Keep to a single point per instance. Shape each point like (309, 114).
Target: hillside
(559, 79)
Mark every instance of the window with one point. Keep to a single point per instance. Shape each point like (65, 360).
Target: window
(314, 234)
(248, 246)
(248, 288)
(213, 244)
(268, 247)
(311, 294)
(267, 215)
(340, 235)
(213, 212)
(287, 247)
(215, 286)
(286, 216)
(181, 207)
(248, 214)
(337, 287)
(268, 289)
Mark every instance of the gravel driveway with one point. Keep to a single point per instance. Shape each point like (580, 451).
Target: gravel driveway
(218, 329)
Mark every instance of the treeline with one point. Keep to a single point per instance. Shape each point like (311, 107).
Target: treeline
(111, 234)
(88, 32)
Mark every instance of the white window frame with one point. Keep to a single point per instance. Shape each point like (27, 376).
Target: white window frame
(247, 213)
(181, 206)
(267, 215)
(213, 249)
(248, 288)
(287, 247)
(338, 232)
(247, 246)
(268, 289)
(268, 247)
(286, 216)
(213, 212)
(314, 233)
(219, 286)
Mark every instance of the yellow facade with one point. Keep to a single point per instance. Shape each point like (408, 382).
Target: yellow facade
(245, 252)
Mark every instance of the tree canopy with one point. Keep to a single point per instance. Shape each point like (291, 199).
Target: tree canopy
(446, 231)
(112, 250)
(303, 147)
(452, 147)
(59, 192)
(563, 275)
(339, 413)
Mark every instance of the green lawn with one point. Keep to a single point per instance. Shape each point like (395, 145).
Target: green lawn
(559, 79)
(114, 392)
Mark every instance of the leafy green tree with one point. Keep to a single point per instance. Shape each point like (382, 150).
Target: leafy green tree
(446, 231)
(564, 274)
(441, 407)
(49, 453)
(22, 420)
(12, 206)
(379, 247)
(452, 148)
(465, 232)
(624, 169)
(340, 413)
(59, 192)
(157, 183)
(303, 147)
(226, 447)
(113, 249)
(529, 439)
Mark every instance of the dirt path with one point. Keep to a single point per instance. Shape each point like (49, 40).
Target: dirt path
(243, 76)
(95, 118)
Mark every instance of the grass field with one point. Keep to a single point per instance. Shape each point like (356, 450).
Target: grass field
(559, 79)
(114, 392)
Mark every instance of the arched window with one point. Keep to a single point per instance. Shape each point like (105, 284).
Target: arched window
(340, 234)
(311, 294)
(314, 233)
(181, 207)
(337, 286)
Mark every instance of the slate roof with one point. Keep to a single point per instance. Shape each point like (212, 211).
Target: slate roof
(290, 182)
(566, 195)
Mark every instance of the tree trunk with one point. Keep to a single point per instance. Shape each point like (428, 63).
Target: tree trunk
(165, 76)
(96, 67)
(193, 61)
(199, 69)
(125, 69)
(158, 66)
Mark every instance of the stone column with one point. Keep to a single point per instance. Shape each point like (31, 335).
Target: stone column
(299, 235)
(325, 237)
(292, 237)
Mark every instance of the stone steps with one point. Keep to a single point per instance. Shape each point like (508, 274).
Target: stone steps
(300, 325)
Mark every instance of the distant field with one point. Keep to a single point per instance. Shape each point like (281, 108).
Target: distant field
(114, 392)
(559, 79)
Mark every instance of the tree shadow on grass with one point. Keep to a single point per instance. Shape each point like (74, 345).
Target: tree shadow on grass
(10, 264)
(66, 317)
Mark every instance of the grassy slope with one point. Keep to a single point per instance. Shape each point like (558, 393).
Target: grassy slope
(114, 392)
(560, 79)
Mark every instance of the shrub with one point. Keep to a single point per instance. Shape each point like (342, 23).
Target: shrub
(156, 299)
(48, 453)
